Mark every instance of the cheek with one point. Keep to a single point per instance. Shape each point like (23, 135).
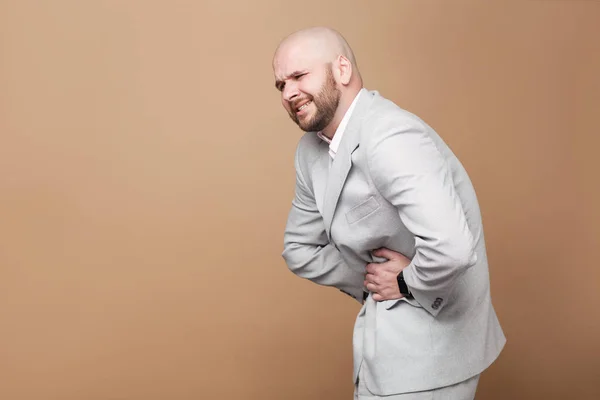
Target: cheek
(311, 86)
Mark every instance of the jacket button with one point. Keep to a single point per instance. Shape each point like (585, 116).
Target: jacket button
(437, 303)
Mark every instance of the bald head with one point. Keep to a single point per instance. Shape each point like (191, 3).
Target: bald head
(316, 66)
(324, 43)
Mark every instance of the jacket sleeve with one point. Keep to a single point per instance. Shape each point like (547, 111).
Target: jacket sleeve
(411, 173)
(307, 250)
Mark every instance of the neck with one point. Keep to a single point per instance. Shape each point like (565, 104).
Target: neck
(345, 103)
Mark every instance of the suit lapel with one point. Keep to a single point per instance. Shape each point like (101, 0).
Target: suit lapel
(343, 159)
(320, 173)
(337, 177)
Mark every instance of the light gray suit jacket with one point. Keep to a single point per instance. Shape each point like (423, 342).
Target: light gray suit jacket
(394, 183)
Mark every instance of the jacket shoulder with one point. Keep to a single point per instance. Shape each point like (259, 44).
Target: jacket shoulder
(308, 149)
(385, 114)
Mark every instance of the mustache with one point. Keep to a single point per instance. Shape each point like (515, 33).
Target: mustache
(295, 103)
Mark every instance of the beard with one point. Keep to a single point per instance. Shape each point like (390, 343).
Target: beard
(326, 103)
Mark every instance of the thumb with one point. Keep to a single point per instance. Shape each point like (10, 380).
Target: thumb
(385, 253)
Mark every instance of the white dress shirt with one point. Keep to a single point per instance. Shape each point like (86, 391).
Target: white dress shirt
(339, 132)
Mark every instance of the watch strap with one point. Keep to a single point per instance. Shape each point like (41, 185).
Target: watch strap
(402, 285)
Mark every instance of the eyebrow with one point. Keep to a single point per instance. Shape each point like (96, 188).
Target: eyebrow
(279, 82)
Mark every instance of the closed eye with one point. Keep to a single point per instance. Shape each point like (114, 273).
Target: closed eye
(296, 76)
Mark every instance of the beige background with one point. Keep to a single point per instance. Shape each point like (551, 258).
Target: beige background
(146, 170)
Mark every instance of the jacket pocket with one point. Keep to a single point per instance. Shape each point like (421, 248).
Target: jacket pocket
(362, 210)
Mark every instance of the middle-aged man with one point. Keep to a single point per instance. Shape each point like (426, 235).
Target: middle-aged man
(385, 212)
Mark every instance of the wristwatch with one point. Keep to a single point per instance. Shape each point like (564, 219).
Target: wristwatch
(402, 285)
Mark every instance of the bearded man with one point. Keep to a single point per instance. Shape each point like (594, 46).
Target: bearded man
(385, 212)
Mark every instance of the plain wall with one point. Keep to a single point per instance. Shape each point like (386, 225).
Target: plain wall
(146, 172)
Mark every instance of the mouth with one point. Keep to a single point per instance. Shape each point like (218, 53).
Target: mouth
(303, 107)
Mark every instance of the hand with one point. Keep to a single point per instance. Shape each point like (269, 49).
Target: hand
(380, 279)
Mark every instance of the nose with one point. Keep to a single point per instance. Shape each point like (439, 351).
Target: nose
(290, 91)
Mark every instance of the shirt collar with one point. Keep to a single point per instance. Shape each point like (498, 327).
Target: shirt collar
(334, 144)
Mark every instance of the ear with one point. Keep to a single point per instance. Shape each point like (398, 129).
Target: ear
(344, 70)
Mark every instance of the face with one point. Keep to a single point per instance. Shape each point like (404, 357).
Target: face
(309, 94)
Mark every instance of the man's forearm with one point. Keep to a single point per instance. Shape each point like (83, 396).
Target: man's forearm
(324, 265)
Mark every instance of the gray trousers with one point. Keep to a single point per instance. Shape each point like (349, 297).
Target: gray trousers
(461, 391)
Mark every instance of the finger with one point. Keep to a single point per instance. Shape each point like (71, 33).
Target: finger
(375, 269)
(371, 287)
(386, 253)
(377, 297)
(370, 278)
(371, 268)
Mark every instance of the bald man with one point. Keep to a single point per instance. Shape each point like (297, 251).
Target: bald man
(385, 212)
